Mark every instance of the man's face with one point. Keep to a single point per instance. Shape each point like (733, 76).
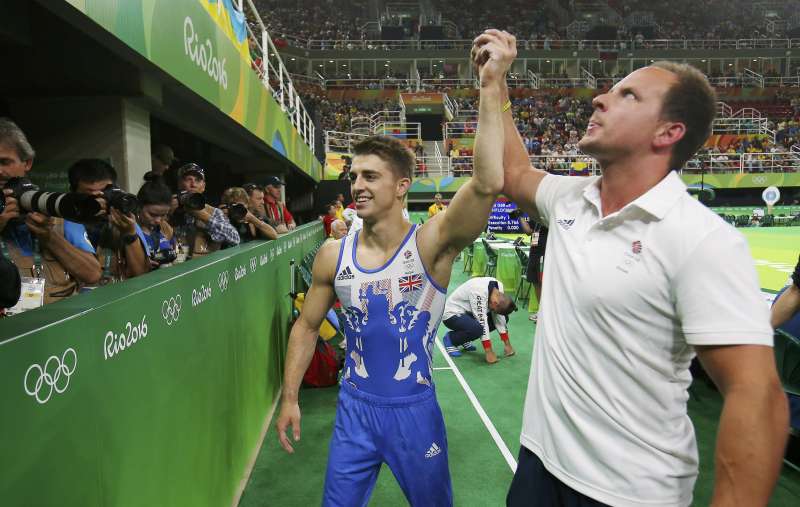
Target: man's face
(437, 200)
(375, 187)
(274, 192)
(84, 187)
(151, 215)
(256, 199)
(10, 164)
(193, 183)
(627, 119)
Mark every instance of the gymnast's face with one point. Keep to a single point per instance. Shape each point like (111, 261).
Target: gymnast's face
(627, 119)
(375, 187)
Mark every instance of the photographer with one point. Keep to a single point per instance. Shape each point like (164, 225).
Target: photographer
(117, 239)
(255, 203)
(51, 253)
(155, 199)
(235, 206)
(279, 217)
(204, 229)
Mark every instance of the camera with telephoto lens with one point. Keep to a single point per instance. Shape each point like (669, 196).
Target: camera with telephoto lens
(120, 200)
(237, 212)
(515, 214)
(70, 206)
(191, 200)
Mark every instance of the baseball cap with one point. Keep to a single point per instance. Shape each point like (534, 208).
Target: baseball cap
(274, 181)
(191, 169)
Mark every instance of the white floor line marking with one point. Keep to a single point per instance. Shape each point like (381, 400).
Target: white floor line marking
(512, 463)
(443, 368)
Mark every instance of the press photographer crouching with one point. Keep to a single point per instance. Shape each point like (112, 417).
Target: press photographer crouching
(119, 242)
(201, 228)
(235, 205)
(51, 254)
(155, 200)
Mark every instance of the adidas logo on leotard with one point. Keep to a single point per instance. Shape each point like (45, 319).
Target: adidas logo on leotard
(346, 274)
(433, 451)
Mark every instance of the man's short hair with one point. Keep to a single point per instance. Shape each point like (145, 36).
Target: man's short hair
(90, 170)
(13, 136)
(507, 305)
(391, 151)
(691, 101)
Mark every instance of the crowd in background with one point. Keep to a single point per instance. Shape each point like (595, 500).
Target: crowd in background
(294, 22)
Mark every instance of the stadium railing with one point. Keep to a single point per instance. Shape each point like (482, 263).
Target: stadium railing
(275, 76)
(551, 45)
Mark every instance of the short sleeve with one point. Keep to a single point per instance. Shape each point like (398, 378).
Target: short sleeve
(75, 234)
(550, 189)
(143, 239)
(717, 294)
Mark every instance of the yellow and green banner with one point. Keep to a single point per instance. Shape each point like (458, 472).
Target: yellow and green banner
(203, 44)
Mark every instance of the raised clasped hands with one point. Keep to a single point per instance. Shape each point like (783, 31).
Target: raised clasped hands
(492, 54)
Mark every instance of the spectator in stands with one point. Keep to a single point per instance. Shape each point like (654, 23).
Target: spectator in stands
(155, 200)
(41, 247)
(437, 207)
(255, 200)
(279, 217)
(205, 230)
(248, 225)
(118, 240)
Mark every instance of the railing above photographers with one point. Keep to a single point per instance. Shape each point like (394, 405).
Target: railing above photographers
(371, 83)
(716, 163)
(460, 129)
(435, 83)
(274, 75)
(546, 45)
(582, 165)
(369, 124)
(341, 142)
(401, 130)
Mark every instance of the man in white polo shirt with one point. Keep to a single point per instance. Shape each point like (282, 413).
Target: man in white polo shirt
(641, 278)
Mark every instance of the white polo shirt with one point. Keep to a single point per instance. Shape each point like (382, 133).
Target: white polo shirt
(625, 298)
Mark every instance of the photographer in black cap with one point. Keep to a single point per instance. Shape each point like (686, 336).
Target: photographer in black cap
(51, 254)
(203, 228)
(277, 214)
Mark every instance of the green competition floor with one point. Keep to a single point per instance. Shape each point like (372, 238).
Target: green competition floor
(480, 471)
(775, 251)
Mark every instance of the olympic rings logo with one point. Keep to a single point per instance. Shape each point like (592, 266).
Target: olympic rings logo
(222, 280)
(54, 376)
(171, 309)
(759, 179)
(253, 264)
